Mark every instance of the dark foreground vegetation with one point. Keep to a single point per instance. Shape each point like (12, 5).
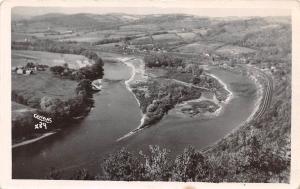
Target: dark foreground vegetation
(190, 166)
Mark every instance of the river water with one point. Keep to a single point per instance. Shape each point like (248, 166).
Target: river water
(116, 112)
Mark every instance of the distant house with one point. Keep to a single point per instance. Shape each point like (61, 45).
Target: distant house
(28, 72)
(19, 71)
(24, 71)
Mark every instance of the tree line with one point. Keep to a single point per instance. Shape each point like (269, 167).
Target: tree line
(162, 60)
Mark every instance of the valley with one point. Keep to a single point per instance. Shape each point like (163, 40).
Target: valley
(172, 86)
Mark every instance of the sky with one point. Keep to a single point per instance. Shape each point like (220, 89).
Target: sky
(34, 11)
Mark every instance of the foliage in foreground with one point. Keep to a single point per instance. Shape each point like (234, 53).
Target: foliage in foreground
(249, 165)
(190, 166)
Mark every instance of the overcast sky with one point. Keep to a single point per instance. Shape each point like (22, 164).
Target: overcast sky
(33, 11)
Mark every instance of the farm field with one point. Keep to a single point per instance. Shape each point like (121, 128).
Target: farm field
(141, 27)
(166, 38)
(21, 57)
(234, 50)
(189, 36)
(141, 41)
(198, 47)
(34, 87)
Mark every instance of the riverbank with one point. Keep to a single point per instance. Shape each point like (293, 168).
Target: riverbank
(225, 86)
(258, 77)
(26, 142)
(219, 103)
(153, 108)
(137, 75)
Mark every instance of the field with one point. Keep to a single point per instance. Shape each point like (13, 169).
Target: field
(198, 47)
(21, 57)
(44, 83)
(108, 47)
(141, 41)
(189, 36)
(141, 28)
(166, 38)
(234, 50)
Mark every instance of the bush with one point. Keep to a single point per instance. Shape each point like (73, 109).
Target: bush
(57, 69)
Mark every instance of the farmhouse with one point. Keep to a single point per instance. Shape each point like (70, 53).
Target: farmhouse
(24, 71)
(19, 71)
(30, 68)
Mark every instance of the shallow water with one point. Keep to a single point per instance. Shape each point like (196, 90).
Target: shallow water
(116, 113)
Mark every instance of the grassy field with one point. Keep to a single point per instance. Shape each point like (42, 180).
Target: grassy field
(21, 57)
(141, 27)
(198, 47)
(33, 87)
(189, 36)
(166, 38)
(141, 41)
(108, 47)
(41, 84)
(234, 50)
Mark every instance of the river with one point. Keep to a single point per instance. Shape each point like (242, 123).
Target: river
(116, 112)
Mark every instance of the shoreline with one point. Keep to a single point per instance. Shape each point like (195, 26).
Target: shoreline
(257, 106)
(231, 95)
(30, 141)
(127, 84)
(220, 104)
(135, 70)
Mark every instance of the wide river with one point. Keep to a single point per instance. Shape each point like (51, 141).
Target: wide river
(116, 112)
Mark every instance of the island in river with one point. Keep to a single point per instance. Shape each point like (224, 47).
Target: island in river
(187, 88)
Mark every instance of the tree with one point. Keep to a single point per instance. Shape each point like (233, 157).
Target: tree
(191, 165)
(84, 85)
(98, 68)
(122, 166)
(57, 69)
(157, 165)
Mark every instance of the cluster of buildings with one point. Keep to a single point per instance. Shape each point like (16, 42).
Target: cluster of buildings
(29, 69)
(21, 70)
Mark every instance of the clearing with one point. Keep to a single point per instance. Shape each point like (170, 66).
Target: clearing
(21, 57)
